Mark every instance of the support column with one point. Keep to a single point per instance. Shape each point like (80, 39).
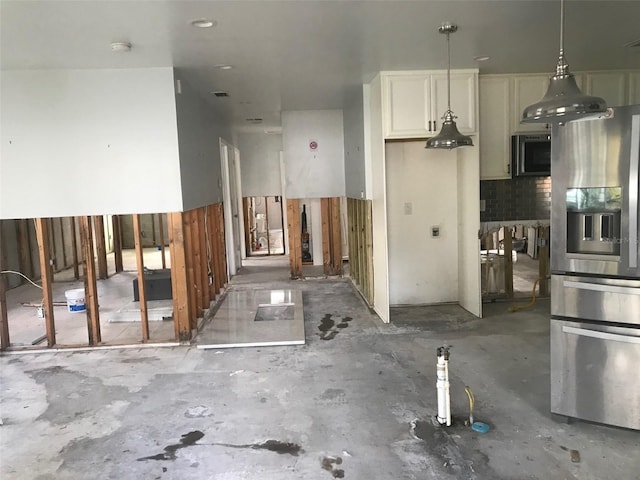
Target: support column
(181, 309)
(4, 319)
(162, 240)
(142, 290)
(295, 240)
(117, 242)
(101, 248)
(90, 285)
(44, 245)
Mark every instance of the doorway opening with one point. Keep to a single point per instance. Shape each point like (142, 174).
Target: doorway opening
(264, 226)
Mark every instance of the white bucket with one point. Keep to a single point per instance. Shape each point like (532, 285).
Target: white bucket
(75, 300)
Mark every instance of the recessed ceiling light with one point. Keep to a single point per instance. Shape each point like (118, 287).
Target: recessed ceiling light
(481, 58)
(223, 66)
(203, 23)
(121, 47)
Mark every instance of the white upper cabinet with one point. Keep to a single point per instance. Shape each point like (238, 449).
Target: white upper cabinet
(494, 127)
(527, 89)
(608, 85)
(463, 100)
(415, 102)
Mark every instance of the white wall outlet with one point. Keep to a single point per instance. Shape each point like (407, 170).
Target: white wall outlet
(435, 231)
(408, 208)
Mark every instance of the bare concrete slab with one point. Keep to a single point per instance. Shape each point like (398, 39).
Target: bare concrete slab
(354, 402)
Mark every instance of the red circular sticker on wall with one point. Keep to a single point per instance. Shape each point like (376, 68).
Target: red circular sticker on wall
(313, 145)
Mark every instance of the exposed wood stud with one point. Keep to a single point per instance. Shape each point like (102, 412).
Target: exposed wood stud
(369, 250)
(191, 276)
(247, 227)
(44, 244)
(24, 247)
(64, 243)
(266, 218)
(325, 214)
(162, 240)
(142, 289)
(198, 261)
(101, 248)
(74, 246)
(336, 233)
(204, 268)
(181, 307)
(222, 251)
(4, 318)
(116, 222)
(90, 284)
(295, 240)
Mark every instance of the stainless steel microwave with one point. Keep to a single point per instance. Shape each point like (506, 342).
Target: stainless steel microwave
(531, 155)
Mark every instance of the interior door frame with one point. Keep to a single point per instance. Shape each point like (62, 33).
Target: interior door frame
(232, 228)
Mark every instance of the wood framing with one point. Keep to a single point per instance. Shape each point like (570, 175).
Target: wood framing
(331, 236)
(295, 239)
(221, 243)
(142, 289)
(4, 318)
(162, 240)
(64, 243)
(117, 242)
(90, 285)
(74, 246)
(24, 247)
(101, 248)
(360, 239)
(44, 245)
(204, 264)
(191, 274)
(179, 280)
(198, 261)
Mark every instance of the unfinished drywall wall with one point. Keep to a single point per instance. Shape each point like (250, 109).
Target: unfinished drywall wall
(88, 142)
(260, 163)
(422, 188)
(313, 144)
(199, 129)
(354, 165)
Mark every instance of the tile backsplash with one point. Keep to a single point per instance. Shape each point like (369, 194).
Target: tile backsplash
(521, 198)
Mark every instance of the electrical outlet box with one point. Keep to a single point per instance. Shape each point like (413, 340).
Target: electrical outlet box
(435, 231)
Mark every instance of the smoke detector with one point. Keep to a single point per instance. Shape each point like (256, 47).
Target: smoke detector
(121, 47)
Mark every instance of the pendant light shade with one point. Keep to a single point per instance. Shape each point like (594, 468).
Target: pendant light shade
(563, 101)
(449, 136)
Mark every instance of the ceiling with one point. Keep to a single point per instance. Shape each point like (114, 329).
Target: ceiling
(309, 54)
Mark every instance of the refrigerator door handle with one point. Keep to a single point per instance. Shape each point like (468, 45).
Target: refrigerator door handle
(600, 287)
(633, 191)
(600, 335)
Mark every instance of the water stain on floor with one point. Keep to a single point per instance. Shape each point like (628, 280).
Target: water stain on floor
(328, 327)
(190, 439)
(186, 440)
(328, 464)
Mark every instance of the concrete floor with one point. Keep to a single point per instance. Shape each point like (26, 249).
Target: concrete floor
(355, 406)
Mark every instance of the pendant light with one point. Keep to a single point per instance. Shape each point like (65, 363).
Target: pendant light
(563, 101)
(449, 136)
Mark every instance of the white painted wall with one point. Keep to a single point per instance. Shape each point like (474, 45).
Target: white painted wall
(354, 143)
(376, 160)
(422, 190)
(199, 129)
(469, 291)
(319, 173)
(260, 161)
(88, 142)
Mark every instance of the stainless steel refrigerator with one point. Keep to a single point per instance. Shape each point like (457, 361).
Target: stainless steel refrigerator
(595, 281)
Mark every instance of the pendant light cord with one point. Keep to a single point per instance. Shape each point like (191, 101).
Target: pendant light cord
(449, 73)
(562, 28)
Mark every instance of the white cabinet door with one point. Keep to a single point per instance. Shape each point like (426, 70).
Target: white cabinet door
(463, 100)
(633, 98)
(609, 85)
(527, 89)
(405, 105)
(495, 133)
